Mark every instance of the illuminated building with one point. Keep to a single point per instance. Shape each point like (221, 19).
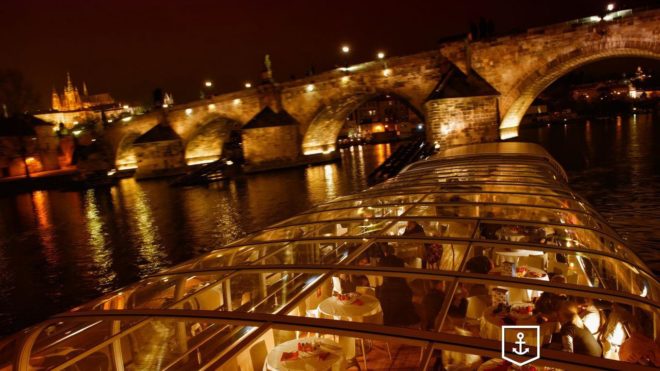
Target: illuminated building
(70, 106)
(27, 143)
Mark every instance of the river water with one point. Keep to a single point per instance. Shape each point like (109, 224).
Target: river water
(60, 249)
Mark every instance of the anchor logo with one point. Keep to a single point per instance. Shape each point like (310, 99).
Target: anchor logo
(524, 335)
(520, 351)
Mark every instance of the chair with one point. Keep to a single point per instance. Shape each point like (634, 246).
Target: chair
(366, 290)
(533, 261)
(258, 354)
(475, 309)
(336, 285)
(459, 359)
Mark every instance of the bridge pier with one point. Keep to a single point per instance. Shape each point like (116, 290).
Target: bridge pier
(462, 110)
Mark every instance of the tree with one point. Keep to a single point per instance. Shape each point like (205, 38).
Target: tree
(158, 97)
(16, 93)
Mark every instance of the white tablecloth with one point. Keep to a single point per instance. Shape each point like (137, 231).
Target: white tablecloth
(491, 327)
(334, 361)
(524, 295)
(352, 312)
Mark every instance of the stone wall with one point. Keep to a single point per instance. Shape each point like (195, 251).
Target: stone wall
(271, 145)
(156, 159)
(456, 121)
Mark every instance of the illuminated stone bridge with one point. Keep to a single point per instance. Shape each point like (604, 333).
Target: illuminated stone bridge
(466, 92)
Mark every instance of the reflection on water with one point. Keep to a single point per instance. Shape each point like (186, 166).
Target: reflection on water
(615, 164)
(60, 249)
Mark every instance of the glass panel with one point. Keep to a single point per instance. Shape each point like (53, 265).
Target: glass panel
(279, 349)
(9, 348)
(154, 292)
(554, 235)
(230, 257)
(421, 254)
(329, 229)
(367, 212)
(472, 188)
(443, 359)
(595, 326)
(168, 343)
(375, 201)
(505, 198)
(390, 299)
(582, 269)
(433, 228)
(313, 252)
(264, 292)
(68, 338)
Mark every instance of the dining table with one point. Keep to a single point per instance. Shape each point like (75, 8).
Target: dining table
(520, 294)
(355, 309)
(287, 356)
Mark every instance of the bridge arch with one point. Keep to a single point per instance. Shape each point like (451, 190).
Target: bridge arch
(322, 132)
(524, 93)
(125, 158)
(205, 143)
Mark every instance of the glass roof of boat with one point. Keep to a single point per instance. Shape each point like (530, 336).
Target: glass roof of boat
(498, 221)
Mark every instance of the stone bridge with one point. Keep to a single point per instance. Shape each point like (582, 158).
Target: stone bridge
(466, 91)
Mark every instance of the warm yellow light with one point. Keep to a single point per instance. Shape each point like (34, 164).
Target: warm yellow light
(237, 101)
(248, 85)
(345, 79)
(309, 88)
(381, 55)
(345, 48)
(165, 105)
(30, 160)
(208, 83)
(127, 119)
(211, 107)
(77, 132)
(188, 111)
(610, 7)
(387, 72)
(125, 106)
(379, 128)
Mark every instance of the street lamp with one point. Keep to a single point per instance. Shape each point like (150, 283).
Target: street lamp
(248, 85)
(345, 49)
(208, 83)
(610, 7)
(381, 55)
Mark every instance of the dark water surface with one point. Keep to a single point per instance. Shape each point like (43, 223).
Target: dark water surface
(615, 164)
(60, 249)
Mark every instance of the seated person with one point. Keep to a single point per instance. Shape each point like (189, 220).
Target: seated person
(638, 348)
(343, 284)
(413, 229)
(590, 315)
(478, 264)
(432, 303)
(489, 230)
(558, 278)
(396, 297)
(575, 337)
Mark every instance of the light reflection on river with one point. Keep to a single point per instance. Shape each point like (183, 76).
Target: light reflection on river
(60, 249)
(615, 164)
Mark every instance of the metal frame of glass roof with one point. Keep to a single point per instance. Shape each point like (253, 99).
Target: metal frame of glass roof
(297, 256)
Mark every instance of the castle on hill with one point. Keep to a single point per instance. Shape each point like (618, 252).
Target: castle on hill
(71, 100)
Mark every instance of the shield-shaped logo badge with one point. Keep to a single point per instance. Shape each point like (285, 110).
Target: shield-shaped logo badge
(521, 344)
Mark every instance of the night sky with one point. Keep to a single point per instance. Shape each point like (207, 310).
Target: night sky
(128, 48)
